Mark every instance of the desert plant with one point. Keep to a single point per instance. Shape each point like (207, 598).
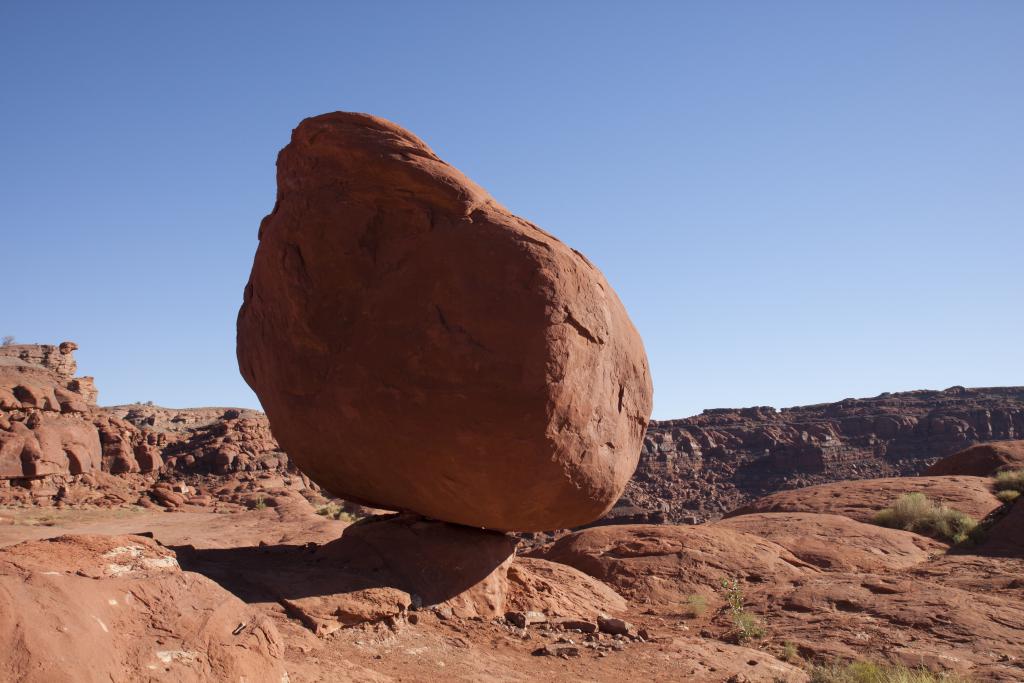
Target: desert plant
(870, 672)
(8, 340)
(790, 653)
(914, 512)
(334, 511)
(1010, 480)
(696, 605)
(1008, 495)
(261, 503)
(748, 626)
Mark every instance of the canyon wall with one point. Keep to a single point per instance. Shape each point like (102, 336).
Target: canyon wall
(696, 468)
(52, 431)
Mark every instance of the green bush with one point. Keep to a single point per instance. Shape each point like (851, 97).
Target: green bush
(748, 627)
(914, 512)
(1010, 480)
(869, 672)
(1008, 495)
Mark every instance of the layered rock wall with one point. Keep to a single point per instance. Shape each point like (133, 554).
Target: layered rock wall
(697, 468)
(51, 429)
(59, 359)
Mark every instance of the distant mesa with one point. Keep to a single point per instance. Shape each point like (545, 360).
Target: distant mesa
(417, 347)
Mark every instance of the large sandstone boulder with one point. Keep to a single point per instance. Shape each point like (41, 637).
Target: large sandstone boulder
(418, 347)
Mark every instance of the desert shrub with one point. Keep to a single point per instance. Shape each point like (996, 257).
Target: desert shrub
(1008, 495)
(870, 672)
(335, 511)
(1010, 480)
(696, 605)
(7, 340)
(748, 626)
(261, 503)
(914, 512)
(790, 653)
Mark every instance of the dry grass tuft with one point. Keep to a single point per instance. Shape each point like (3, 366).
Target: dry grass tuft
(914, 512)
(870, 672)
(1010, 480)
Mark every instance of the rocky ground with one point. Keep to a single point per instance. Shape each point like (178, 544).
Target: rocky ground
(278, 592)
(142, 543)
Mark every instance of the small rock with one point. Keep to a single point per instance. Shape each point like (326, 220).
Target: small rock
(578, 625)
(524, 619)
(167, 498)
(615, 627)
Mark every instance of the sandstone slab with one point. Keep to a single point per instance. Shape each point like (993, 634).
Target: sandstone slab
(662, 566)
(838, 543)
(118, 608)
(863, 499)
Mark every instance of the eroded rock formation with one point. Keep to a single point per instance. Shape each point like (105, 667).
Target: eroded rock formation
(698, 468)
(53, 435)
(418, 347)
(119, 608)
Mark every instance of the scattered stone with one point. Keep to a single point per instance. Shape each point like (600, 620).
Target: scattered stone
(615, 626)
(578, 625)
(524, 619)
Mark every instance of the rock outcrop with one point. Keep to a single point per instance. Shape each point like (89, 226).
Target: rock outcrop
(59, 359)
(983, 460)
(664, 565)
(119, 608)
(861, 500)
(43, 413)
(54, 437)
(418, 347)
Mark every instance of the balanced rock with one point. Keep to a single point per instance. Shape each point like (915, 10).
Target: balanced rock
(418, 347)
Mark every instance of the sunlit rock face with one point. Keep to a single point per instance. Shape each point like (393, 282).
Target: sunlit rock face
(418, 347)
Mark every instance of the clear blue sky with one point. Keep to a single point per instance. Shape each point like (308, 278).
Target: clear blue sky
(797, 201)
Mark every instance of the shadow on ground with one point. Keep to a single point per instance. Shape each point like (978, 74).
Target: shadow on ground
(431, 561)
